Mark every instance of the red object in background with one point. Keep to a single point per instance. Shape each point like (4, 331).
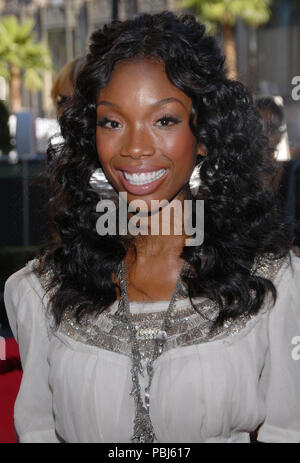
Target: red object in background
(10, 379)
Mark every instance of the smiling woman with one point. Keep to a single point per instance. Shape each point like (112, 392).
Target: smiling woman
(141, 338)
(144, 140)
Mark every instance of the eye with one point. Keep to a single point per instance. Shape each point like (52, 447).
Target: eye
(168, 120)
(108, 123)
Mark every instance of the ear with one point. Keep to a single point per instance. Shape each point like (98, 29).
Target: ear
(201, 149)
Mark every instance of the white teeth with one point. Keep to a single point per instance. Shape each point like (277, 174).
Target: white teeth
(144, 177)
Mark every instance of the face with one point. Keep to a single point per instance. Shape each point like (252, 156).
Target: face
(144, 141)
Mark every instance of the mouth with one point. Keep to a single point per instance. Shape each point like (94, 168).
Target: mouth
(142, 182)
(143, 178)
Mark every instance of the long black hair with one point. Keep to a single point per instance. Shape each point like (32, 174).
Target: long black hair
(241, 219)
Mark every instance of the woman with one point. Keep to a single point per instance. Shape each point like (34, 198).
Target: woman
(64, 83)
(143, 337)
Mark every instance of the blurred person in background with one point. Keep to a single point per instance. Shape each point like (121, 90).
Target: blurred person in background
(64, 83)
(61, 92)
(273, 118)
(287, 173)
(274, 128)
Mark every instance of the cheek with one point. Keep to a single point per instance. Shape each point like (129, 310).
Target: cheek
(182, 147)
(105, 148)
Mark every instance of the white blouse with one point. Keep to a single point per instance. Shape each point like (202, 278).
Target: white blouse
(214, 391)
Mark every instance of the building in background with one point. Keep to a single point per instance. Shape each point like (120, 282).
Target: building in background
(65, 25)
(269, 58)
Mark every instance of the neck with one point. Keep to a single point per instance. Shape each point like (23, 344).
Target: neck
(163, 231)
(158, 246)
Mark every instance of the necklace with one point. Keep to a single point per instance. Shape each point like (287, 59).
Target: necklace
(143, 430)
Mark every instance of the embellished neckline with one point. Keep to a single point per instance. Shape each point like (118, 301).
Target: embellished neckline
(155, 306)
(190, 327)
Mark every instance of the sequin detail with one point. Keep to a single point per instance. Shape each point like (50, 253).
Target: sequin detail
(188, 327)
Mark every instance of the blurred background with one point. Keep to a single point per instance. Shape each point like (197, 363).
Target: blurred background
(42, 46)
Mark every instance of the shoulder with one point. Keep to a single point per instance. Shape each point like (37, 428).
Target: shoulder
(24, 281)
(270, 267)
(287, 285)
(280, 377)
(25, 299)
(284, 273)
(287, 274)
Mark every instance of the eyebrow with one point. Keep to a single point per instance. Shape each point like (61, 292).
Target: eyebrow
(158, 103)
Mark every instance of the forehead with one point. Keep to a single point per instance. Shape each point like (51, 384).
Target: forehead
(140, 80)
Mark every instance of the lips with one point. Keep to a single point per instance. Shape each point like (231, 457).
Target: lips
(143, 180)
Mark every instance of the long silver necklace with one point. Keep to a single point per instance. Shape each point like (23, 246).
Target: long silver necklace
(143, 430)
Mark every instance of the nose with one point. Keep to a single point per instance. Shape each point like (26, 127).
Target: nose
(138, 143)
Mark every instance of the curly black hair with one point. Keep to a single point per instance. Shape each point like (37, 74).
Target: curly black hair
(241, 216)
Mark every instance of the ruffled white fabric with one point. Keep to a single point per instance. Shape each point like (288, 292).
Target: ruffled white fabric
(217, 391)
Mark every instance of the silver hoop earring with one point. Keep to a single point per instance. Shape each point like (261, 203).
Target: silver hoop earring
(99, 182)
(195, 181)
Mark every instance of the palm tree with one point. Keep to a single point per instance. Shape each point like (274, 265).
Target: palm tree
(21, 58)
(226, 13)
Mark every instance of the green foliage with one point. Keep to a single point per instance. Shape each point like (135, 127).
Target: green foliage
(5, 141)
(18, 48)
(253, 12)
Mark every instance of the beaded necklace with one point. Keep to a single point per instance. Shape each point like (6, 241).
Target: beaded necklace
(143, 430)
